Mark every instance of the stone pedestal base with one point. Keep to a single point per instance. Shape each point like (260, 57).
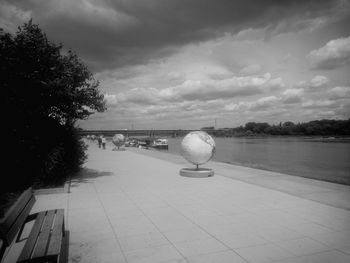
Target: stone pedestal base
(197, 173)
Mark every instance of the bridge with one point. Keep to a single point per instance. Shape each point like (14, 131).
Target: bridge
(136, 133)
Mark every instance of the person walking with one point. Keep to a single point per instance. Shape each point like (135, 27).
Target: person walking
(99, 139)
(104, 142)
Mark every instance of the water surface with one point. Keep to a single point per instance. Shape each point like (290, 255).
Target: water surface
(307, 157)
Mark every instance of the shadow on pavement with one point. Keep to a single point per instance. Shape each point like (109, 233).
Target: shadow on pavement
(84, 176)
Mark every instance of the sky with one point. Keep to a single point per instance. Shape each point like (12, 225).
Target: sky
(188, 64)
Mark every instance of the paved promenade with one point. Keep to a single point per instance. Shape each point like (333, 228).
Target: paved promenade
(134, 207)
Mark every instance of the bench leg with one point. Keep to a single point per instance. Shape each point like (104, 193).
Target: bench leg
(2, 251)
(64, 247)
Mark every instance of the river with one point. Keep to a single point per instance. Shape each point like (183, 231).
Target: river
(302, 156)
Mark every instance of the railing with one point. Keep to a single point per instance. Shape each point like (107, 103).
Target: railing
(132, 133)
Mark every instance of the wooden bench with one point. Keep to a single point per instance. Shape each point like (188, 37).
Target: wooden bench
(47, 239)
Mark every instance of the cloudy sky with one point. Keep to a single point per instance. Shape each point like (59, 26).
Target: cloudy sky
(193, 63)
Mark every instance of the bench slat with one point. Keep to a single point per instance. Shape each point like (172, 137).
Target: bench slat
(2, 249)
(16, 209)
(44, 235)
(33, 236)
(20, 220)
(57, 234)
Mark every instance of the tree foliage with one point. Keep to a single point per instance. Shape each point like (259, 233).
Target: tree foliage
(316, 127)
(47, 89)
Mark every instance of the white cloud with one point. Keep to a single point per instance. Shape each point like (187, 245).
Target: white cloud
(319, 104)
(344, 110)
(291, 96)
(339, 93)
(110, 99)
(174, 75)
(260, 104)
(315, 84)
(335, 54)
(318, 81)
(263, 103)
(202, 90)
(226, 88)
(251, 69)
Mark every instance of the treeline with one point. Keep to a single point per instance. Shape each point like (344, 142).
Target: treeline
(46, 90)
(317, 127)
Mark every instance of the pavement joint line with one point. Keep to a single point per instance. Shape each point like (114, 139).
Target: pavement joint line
(337, 249)
(110, 224)
(205, 232)
(304, 196)
(310, 206)
(307, 196)
(161, 232)
(306, 255)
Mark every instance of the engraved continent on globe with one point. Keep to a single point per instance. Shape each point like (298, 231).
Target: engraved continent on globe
(198, 147)
(118, 140)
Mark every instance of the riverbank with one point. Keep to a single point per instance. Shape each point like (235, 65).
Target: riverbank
(297, 156)
(133, 206)
(141, 210)
(333, 194)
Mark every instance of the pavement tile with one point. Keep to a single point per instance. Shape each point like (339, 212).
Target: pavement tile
(227, 256)
(323, 257)
(303, 246)
(131, 222)
(91, 236)
(232, 229)
(242, 240)
(310, 229)
(153, 254)
(263, 253)
(345, 249)
(106, 250)
(333, 239)
(150, 239)
(173, 224)
(50, 201)
(278, 233)
(183, 235)
(124, 214)
(201, 246)
(83, 222)
(134, 230)
(178, 260)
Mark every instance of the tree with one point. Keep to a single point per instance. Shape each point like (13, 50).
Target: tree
(44, 80)
(46, 91)
(256, 127)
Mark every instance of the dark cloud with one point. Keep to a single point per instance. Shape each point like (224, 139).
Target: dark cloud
(117, 33)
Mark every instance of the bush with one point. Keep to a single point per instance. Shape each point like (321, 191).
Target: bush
(45, 91)
(63, 159)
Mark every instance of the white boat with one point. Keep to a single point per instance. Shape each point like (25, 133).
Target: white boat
(161, 144)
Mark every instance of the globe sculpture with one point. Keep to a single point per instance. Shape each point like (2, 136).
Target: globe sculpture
(118, 140)
(197, 147)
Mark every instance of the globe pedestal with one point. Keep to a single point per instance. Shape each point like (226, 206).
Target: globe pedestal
(197, 172)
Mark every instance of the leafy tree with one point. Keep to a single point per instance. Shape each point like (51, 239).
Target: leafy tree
(46, 91)
(317, 127)
(257, 127)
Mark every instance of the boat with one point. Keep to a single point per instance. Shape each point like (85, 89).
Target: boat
(160, 144)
